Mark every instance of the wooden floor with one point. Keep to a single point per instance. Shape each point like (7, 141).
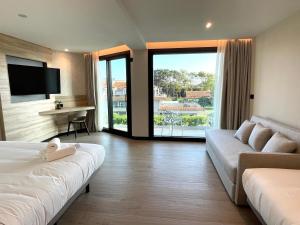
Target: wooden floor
(154, 183)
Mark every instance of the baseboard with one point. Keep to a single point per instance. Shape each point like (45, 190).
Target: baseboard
(142, 138)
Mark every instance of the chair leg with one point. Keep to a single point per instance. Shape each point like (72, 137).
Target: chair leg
(87, 129)
(75, 130)
(69, 128)
(87, 188)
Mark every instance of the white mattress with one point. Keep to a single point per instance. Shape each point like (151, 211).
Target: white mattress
(275, 194)
(32, 191)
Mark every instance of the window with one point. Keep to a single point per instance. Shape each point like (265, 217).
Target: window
(182, 92)
(115, 80)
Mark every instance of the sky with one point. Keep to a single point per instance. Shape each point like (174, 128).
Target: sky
(205, 62)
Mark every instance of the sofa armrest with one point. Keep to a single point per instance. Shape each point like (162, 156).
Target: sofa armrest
(262, 160)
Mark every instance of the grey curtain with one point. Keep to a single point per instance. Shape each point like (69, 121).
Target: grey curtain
(235, 106)
(91, 75)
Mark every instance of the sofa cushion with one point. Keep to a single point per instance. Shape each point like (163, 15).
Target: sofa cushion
(259, 137)
(226, 148)
(279, 143)
(243, 133)
(289, 132)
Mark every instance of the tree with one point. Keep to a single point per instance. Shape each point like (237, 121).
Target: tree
(175, 83)
(172, 82)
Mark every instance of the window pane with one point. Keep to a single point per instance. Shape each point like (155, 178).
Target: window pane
(183, 90)
(119, 95)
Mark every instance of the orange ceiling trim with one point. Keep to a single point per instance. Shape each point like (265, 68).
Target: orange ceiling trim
(109, 51)
(182, 44)
(187, 44)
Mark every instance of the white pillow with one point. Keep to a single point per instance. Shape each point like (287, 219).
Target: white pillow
(243, 133)
(280, 143)
(259, 137)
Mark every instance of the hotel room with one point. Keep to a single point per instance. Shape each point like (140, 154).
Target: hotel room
(161, 112)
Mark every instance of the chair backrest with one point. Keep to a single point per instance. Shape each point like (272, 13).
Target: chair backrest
(290, 132)
(76, 115)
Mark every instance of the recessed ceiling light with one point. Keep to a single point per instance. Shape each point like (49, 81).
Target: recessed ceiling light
(66, 50)
(208, 25)
(22, 15)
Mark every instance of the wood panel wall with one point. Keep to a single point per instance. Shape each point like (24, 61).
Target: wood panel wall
(21, 121)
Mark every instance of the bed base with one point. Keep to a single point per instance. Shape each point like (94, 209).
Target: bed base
(84, 188)
(257, 214)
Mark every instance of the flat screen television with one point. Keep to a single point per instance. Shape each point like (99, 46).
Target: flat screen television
(52, 81)
(30, 80)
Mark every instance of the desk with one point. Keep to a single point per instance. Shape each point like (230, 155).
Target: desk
(66, 110)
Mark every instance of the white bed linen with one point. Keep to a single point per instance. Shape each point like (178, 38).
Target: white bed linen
(275, 194)
(32, 191)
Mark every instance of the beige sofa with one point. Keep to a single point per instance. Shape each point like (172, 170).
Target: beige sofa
(231, 157)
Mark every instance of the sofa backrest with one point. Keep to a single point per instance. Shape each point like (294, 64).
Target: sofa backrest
(290, 132)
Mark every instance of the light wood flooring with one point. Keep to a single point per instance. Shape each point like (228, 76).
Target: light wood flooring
(154, 183)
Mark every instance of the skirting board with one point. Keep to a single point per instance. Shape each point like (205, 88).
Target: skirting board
(184, 139)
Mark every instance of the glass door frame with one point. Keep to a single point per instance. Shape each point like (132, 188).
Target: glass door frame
(151, 53)
(121, 55)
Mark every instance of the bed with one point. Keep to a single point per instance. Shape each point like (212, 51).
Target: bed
(274, 194)
(36, 192)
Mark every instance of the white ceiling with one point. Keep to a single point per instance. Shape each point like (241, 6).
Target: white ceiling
(86, 25)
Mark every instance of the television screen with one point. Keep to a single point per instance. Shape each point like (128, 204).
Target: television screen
(52, 81)
(30, 80)
(26, 80)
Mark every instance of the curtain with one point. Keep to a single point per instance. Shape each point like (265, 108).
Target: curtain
(219, 83)
(235, 106)
(91, 75)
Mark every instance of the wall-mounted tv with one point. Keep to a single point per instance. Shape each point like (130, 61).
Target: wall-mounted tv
(52, 81)
(30, 80)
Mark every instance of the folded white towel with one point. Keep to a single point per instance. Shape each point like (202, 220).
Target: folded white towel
(60, 153)
(53, 145)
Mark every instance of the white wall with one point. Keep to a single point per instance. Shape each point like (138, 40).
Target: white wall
(72, 72)
(277, 72)
(139, 89)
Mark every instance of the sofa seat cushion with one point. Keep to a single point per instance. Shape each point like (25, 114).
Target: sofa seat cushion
(274, 193)
(227, 148)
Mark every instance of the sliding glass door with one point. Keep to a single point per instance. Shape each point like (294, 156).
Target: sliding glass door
(115, 91)
(182, 95)
(119, 94)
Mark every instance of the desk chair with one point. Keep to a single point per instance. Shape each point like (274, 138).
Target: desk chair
(77, 119)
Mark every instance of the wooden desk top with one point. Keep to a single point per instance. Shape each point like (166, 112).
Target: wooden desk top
(66, 110)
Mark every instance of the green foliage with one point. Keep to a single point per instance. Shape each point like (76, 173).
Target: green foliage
(205, 101)
(172, 82)
(120, 118)
(195, 120)
(187, 120)
(207, 84)
(158, 120)
(175, 83)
